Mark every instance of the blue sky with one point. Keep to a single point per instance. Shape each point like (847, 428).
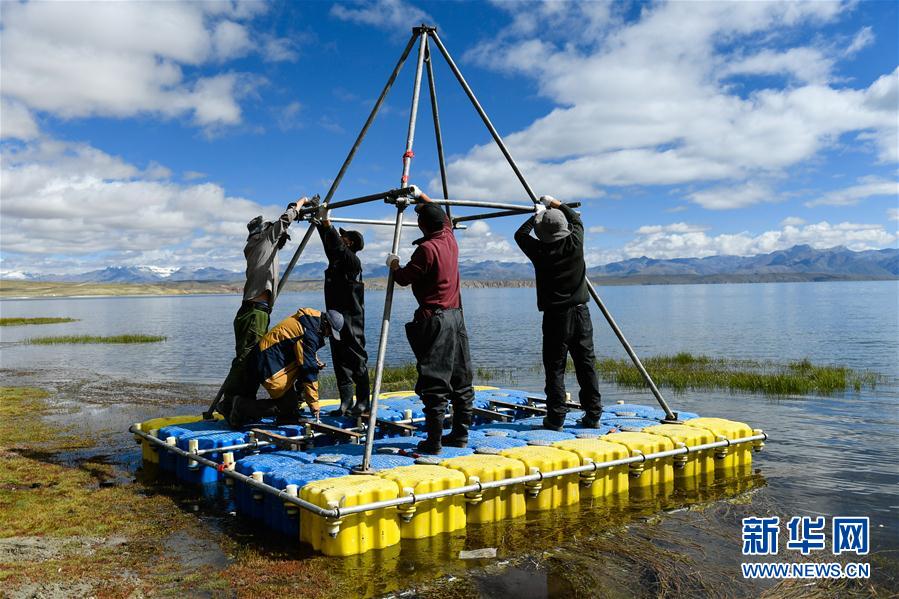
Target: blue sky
(148, 133)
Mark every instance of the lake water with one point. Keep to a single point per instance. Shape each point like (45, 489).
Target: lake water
(833, 455)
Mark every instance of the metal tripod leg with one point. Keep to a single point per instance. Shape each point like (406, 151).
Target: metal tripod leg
(352, 154)
(496, 137)
(397, 231)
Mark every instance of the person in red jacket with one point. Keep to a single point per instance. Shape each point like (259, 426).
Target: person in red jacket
(437, 332)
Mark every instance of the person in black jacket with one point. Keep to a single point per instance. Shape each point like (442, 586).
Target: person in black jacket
(562, 296)
(345, 293)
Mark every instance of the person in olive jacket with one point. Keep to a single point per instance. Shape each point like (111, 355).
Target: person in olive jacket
(345, 293)
(562, 296)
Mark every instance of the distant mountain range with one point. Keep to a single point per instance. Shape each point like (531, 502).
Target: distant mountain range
(837, 262)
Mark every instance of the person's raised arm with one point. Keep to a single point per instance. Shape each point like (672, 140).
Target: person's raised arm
(290, 215)
(417, 267)
(523, 237)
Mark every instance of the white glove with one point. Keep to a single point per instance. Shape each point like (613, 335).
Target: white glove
(391, 258)
(538, 208)
(416, 192)
(547, 200)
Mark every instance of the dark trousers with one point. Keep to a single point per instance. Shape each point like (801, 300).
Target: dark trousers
(351, 365)
(440, 345)
(564, 332)
(250, 325)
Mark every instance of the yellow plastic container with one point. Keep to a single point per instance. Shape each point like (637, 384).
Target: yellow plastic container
(355, 533)
(149, 452)
(552, 492)
(605, 481)
(428, 518)
(494, 504)
(736, 457)
(652, 473)
(699, 465)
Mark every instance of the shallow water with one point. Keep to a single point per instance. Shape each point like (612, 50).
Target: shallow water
(834, 455)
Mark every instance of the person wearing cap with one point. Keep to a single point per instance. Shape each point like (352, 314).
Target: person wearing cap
(285, 362)
(345, 293)
(562, 295)
(264, 241)
(437, 332)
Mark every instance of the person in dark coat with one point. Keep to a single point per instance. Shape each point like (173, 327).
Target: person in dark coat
(264, 241)
(345, 293)
(437, 332)
(562, 296)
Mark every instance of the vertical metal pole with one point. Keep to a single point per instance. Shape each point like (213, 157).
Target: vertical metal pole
(630, 352)
(397, 231)
(484, 117)
(432, 87)
(352, 154)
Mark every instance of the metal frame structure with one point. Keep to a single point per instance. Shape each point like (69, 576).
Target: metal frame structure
(472, 491)
(400, 197)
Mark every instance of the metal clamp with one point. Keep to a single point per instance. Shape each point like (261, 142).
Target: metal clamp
(637, 468)
(758, 445)
(407, 510)
(680, 460)
(333, 524)
(721, 452)
(533, 487)
(291, 509)
(474, 497)
(588, 476)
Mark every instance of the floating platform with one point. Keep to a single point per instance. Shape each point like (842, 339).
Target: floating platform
(300, 480)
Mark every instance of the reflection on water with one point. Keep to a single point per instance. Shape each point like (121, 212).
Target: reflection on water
(832, 456)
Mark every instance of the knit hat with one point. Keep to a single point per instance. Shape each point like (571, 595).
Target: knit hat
(551, 225)
(254, 226)
(355, 237)
(431, 217)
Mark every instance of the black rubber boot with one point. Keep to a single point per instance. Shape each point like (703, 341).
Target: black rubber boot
(588, 423)
(432, 445)
(550, 425)
(346, 401)
(458, 436)
(362, 407)
(288, 412)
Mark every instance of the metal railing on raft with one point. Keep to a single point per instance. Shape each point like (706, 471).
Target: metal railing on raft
(473, 491)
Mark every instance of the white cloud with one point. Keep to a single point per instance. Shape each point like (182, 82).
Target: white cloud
(596, 229)
(727, 198)
(478, 242)
(649, 102)
(122, 59)
(862, 39)
(806, 65)
(192, 175)
(65, 202)
(792, 221)
(16, 121)
(851, 196)
(893, 214)
(388, 14)
(658, 241)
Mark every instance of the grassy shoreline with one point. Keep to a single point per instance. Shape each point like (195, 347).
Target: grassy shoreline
(89, 339)
(16, 322)
(684, 371)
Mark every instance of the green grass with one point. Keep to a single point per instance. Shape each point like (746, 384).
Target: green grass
(14, 322)
(69, 339)
(685, 371)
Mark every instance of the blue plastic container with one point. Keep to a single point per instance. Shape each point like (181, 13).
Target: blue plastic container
(630, 424)
(276, 515)
(379, 461)
(200, 474)
(497, 443)
(261, 462)
(542, 436)
(167, 460)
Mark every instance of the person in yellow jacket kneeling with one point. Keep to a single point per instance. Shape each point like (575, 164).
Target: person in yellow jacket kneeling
(286, 363)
